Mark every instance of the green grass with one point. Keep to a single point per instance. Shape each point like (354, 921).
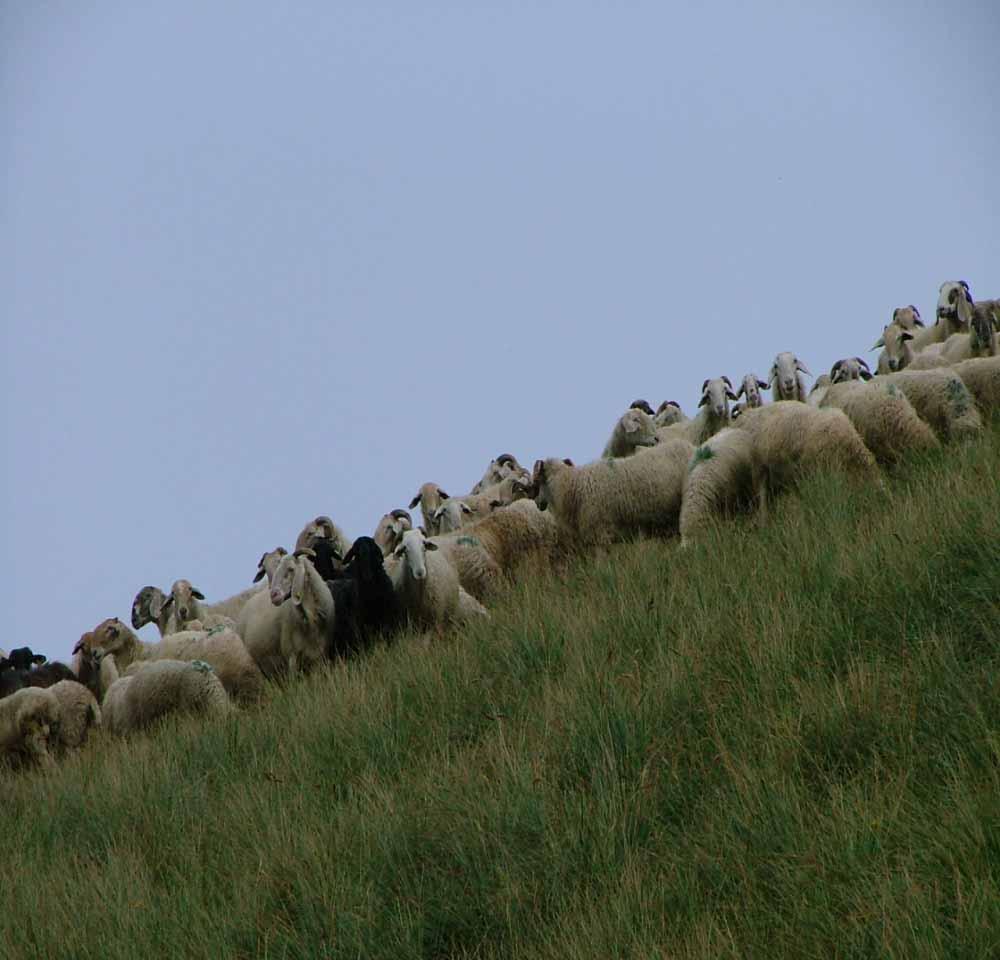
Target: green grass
(782, 741)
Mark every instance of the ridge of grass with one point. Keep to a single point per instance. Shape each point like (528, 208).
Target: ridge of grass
(783, 740)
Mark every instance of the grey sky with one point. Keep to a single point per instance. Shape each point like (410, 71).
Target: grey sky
(265, 261)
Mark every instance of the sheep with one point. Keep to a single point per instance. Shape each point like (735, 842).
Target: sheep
(884, 418)
(785, 380)
(953, 307)
(220, 647)
(907, 318)
(735, 410)
(610, 500)
(981, 376)
(491, 549)
(642, 405)
(184, 606)
(979, 341)
(390, 530)
(27, 718)
(791, 438)
(669, 412)
(750, 387)
(78, 712)
(500, 469)
(430, 496)
(427, 584)
(941, 400)
(364, 600)
(718, 481)
(897, 349)
(844, 371)
(634, 429)
(715, 397)
(156, 689)
(285, 629)
(322, 527)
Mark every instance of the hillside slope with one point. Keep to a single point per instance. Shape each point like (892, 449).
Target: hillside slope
(784, 741)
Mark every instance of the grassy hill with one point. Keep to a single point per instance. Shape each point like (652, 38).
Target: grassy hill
(784, 741)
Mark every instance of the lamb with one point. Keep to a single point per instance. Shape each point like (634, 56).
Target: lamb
(390, 530)
(156, 689)
(941, 400)
(634, 429)
(981, 377)
(785, 380)
(285, 628)
(668, 413)
(884, 418)
(715, 397)
(322, 527)
(27, 718)
(78, 712)
(719, 482)
(222, 648)
(427, 584)
(750, 387)
(611, 500)
(791, 438)
(486, 552)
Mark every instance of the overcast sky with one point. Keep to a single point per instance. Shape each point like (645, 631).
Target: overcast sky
(262, 261)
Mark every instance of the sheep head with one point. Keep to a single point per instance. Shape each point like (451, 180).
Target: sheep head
(412, 552)
(907, 317)
(898, 352)
(750, 387)
(715, 396)
(850, 369)
(642, 405)
(638, 427)
(268, 563)
(784, 379)
(950, 295)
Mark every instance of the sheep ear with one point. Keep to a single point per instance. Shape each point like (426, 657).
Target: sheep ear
(866, 374)
(415, 501)
(443, 495)
(761, 385)
(741, 391)
(906, 335)
(705, 384)
(773, 376)
(916, 316)
(81, 643)
(731, 395)
(197, 594)
(568, 462)
(801, 367)
(298, 583)
(703, 400)
(964, 310)
(495, 503)
(167, 600)
(835, 369)
(259, 575)
(348, 557)
(728, 382)
(39, 658)
(878, 343)
(430, 545)
(465, 508)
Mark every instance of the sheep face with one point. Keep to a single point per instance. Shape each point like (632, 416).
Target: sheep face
(412, 554)
(981, 325)
(898, 352)
(907, 317)
(668, 412)
(22, 658)
(289, 578)
(146, 606)
(390, 530)
(715, 396)
(268, 563)
(109, 636)
(639, 429)
(784, 378)
(365, 556)
(183, 596)
(853, 368)
(451, 515)
(541, 478)
(750, 387)
(950, 295)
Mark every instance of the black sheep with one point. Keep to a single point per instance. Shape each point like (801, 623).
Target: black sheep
(23, 668)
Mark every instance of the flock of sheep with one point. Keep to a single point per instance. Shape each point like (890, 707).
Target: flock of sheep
(660, 473)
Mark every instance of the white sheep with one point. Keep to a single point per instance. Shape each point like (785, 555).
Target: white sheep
(156, 689)
(941, 400)
(184, 607)
(980, 341)
(427, 584)
(303, 621)
(750, 387)
(953, 308)
(78, 712)
(792, 438)
(221, 647)
(883, 417)
(429, 497)
(492, 549)
(633, 430)
(390, 530)
(785, 378)
(610, 500)
(500, 469)
(718, 483)
(715, 397)
(27, 718)
(897, 349)
(852, 368)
